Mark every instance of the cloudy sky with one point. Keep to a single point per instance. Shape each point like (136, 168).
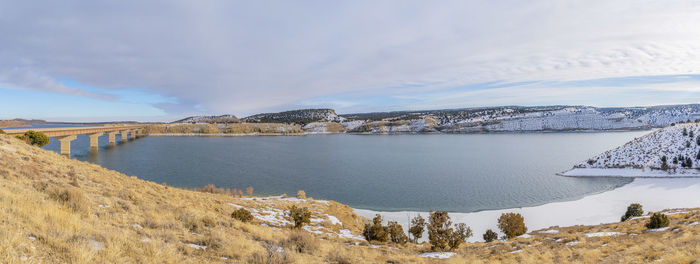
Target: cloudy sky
(160, 60)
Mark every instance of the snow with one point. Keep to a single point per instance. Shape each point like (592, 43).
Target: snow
(693, 223)
(32, 238)
(642, 156)
(603, 234)
(550, 231)
(525, 236)
(654, 194)
(195, 246)
(657, 229)
(438, 255)
(572, 243)
(334, 220)
(517, 251)
(345, 233)
(631, 172)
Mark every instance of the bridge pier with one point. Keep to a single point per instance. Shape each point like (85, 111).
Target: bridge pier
(112, 138)
(125, 135)
(94, 141)
(132, 134)
(65, 144)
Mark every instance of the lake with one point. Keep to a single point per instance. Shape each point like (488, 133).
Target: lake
(453, 172)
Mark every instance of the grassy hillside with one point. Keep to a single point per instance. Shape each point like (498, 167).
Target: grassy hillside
(57, 210)
(235, 128)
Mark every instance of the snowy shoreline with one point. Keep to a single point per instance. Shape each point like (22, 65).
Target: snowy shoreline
(631, 173)
(654, 194)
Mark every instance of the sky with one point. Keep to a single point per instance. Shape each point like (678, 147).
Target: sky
(163, 60)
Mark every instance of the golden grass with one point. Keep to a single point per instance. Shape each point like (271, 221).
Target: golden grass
(57, 210)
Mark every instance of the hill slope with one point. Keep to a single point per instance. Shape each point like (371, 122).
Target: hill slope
(679, 144)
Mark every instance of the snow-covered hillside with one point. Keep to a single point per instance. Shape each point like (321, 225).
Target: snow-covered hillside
(678, 145)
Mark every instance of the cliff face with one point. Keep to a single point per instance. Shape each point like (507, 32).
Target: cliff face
(210, 119)
(521, 119)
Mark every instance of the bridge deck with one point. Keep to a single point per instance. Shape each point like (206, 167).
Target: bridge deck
(67, 131)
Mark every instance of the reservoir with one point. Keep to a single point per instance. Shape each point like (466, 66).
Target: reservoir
(453, 172)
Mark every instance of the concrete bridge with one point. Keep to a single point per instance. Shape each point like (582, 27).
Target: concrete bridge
(67, 134)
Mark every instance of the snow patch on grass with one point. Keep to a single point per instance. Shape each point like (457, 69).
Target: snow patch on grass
(438, 255)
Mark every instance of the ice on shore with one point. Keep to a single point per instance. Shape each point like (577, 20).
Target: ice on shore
(653, 193)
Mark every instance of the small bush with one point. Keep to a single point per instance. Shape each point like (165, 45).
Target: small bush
(36, 138)
(301, 194)
(2, 132)
(249, 190)
(459, 235)
(657, 220)
(376, 231)
(417, 227)
(633, 210)
(208, 221)
(490, 235)
(243, 215)
(396, 233)
(512, 224)
(302, 242)
(299, 216)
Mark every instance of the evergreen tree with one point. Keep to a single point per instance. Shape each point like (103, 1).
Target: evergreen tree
(664, 162)
(697, 140)
(698, 156)
(685, 131)
(417, 227)
(688, 162)
(691, 134)
(675, 160)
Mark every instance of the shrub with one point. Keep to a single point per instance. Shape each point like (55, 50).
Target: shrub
(633, 210)
(241, 214)
(299, 216)
(301, 194)
(36, 138)
(459, 235)
(249, 190)
(376, 231)
(396, 233)
(301, 242)
(657, 220)
(417, 228)
(490, 236)
(512, 224)
(442, 236)
(2, 132)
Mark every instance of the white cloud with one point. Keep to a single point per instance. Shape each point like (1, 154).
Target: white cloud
(242, 56)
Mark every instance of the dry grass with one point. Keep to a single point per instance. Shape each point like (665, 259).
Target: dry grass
(58, 210)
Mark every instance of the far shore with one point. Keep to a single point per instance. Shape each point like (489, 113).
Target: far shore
(631, 173)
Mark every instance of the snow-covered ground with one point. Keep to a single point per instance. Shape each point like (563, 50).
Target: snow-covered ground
(642, 157)
(654, 195)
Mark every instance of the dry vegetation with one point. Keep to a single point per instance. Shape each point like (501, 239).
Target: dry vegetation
(57, 210)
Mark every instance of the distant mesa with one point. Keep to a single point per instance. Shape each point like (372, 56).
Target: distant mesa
(210, 119)
(303, 116)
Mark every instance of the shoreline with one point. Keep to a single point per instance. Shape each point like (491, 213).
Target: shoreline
(630, 173)
(655, 194)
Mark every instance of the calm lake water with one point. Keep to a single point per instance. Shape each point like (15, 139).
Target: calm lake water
(458, 173)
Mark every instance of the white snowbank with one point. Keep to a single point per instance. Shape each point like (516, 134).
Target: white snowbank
(631, 172)
(654, 194)
(603, 234)
(438, 255)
